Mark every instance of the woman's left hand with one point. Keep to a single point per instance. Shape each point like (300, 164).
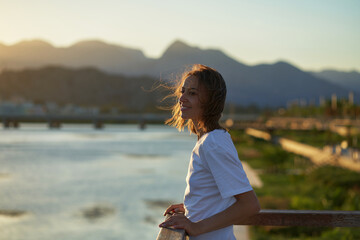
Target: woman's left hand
(179, 221)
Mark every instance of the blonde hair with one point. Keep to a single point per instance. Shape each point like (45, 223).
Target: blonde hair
(214, 85)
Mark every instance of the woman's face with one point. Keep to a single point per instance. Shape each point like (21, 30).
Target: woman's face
(190, 100)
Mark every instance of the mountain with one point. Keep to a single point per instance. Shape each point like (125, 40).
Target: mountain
(84, 87)
(279, 83)
(108, 57)
(349, 80)
(265, 84)
(179, 55)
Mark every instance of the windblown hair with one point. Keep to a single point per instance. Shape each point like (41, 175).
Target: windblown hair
(213, 85)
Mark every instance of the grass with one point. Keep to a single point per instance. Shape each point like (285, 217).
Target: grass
(315, 138)
(293, 182)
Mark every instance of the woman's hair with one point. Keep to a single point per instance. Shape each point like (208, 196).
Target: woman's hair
(212, 83)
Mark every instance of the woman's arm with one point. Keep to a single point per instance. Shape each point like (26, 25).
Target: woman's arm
(246, 205)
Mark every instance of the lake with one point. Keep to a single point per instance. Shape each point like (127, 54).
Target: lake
(80, 183)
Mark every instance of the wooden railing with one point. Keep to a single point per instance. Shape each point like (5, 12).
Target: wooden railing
(304, 218)
(285, 218)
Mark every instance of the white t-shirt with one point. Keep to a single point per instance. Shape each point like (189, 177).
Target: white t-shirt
(214, 176)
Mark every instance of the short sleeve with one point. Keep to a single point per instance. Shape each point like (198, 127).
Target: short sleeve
(223, 162)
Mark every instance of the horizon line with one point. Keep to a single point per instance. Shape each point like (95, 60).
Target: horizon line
(96, 39)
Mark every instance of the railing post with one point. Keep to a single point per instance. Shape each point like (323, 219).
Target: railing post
(171, 233)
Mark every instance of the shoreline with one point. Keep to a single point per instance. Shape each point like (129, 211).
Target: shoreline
(10, 216)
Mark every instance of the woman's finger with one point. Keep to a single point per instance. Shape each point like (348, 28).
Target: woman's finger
(179, 210)
(169, 209)
(172, 208)
(167, 223)
(171, 221)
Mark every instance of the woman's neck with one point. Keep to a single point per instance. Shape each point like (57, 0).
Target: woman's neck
(200, 134)
(199, 131)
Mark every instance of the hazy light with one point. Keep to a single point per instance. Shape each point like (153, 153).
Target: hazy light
(308, 34)
(344, 144)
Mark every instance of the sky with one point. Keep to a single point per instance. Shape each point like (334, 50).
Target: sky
(310, 34)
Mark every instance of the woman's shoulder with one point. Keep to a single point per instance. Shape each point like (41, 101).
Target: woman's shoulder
(215, 138)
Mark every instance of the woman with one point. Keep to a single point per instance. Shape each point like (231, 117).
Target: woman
(218, 193)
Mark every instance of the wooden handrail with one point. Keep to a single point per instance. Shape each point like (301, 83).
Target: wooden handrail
(285, 218)
(304, 218)
(171, 233)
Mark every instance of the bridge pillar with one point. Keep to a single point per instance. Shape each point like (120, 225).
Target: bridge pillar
(8, 123)
(54, 124)
(16, 124)
(142, 124)
(98, 124)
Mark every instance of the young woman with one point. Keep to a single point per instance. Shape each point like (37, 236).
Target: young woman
(218, 193)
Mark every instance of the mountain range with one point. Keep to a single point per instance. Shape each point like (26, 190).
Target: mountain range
(349, 80)
(87, 87)
(264, 84)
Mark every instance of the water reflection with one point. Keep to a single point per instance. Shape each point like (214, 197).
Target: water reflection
(81, 183)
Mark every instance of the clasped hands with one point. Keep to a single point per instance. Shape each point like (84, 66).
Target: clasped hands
(178, 220)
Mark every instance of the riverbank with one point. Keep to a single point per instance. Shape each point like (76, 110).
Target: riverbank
(10, 216)
(294, 182)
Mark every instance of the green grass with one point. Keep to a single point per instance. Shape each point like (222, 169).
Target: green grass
(315, 138)
(293, 182)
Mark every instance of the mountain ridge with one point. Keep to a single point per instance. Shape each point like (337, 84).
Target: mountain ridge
(177, 41)
(264, 84)
(348, 79)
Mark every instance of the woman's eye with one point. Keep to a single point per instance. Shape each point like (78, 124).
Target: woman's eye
(192, 93)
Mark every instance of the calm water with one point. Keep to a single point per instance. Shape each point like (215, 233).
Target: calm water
(80, 183)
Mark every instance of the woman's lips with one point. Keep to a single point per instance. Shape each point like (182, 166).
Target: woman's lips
(184, 108)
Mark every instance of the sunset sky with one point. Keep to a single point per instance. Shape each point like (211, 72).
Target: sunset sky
(310, 34)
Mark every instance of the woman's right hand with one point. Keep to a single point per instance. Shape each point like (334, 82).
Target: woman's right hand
(175, 208)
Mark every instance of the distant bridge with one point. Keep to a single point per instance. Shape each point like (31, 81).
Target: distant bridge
(98, 120)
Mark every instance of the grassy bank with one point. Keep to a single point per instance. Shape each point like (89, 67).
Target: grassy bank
(293, 182)
(318, 138)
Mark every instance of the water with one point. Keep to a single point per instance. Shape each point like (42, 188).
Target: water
(81, 183)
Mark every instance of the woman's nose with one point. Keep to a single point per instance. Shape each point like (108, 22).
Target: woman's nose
(182, 98)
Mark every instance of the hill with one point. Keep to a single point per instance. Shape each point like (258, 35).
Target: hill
(84, 87)
(265, 84)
